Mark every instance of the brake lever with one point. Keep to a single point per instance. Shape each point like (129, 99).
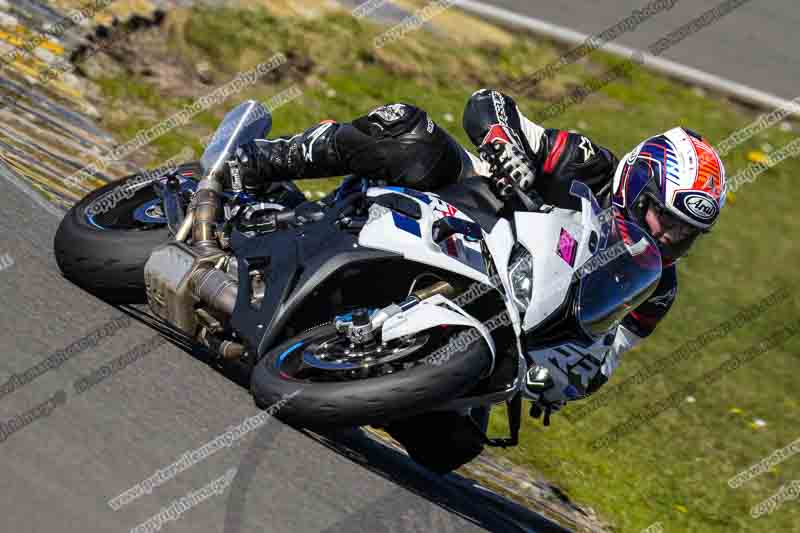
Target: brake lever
(531, 204)
(507, 187)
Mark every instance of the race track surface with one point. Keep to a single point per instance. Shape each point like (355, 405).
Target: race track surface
(61, 469)
(756, 44)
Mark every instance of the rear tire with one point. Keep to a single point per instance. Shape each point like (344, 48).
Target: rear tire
(109, 261)
(369, 401)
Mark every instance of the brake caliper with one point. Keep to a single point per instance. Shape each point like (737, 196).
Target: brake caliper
(357, 326)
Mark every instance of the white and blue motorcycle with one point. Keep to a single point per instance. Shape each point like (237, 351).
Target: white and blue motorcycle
(379, 303)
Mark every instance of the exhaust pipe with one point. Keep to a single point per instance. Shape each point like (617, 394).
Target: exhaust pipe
(210, 285)
(207, 203)
(216, 289)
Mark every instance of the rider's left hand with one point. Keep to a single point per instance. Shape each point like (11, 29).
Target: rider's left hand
(538, 409)
(245, 169)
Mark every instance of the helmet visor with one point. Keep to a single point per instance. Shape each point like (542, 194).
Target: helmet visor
(674, 236)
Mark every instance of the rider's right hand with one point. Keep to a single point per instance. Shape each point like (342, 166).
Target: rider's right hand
(508, 162)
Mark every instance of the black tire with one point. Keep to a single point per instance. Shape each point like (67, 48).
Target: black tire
(441, 441)
(109, 262)
(370, 401)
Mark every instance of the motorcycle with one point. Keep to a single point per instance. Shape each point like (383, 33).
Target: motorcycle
(382, 305)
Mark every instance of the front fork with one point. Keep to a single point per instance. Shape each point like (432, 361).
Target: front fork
(363, 326)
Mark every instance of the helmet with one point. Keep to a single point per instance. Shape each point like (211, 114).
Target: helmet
(680, 179)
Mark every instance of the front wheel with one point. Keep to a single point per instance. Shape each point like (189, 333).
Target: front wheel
(343, 385)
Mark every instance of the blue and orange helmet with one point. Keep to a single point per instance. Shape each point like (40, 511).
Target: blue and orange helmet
(679, 173)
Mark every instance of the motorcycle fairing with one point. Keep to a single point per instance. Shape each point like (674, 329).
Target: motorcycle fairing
(395, 232)
(543, 234)
(433, 312)
(295, 262)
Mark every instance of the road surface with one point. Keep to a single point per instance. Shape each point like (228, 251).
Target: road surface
(60, 469)
(756, 44)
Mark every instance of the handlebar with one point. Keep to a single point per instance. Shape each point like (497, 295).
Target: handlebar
(506, 187)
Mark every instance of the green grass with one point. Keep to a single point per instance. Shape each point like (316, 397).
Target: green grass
(674, 470)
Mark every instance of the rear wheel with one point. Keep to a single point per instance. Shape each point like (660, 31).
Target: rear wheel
(342, 385)
(104, 250)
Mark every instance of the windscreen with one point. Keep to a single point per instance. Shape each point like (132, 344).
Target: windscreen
(618, 278)
(250, 120)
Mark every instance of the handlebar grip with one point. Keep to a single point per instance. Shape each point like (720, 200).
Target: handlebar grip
(504, 187)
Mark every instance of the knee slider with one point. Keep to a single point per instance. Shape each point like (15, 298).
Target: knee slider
(407, 147)
(393, 120)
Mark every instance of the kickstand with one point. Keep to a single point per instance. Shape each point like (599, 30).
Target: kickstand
(514, 406)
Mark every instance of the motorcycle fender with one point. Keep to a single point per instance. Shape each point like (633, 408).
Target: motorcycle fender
(431, 313)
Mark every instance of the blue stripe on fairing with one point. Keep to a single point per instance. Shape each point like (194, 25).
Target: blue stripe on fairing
(418, 195)
(287, 352)
(421, 196)
(474, 259)
(406, 224)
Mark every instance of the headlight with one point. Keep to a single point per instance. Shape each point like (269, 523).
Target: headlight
(520, 275)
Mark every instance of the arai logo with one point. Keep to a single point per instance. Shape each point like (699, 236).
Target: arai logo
(700, 206)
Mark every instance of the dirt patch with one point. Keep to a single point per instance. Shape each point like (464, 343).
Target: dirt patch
(145, 47)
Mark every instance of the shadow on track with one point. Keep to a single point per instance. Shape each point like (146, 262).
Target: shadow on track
(407, 508)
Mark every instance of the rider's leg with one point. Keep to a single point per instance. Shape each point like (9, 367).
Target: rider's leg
(397, 143)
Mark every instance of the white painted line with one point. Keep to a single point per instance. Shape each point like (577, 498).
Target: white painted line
(658, 64)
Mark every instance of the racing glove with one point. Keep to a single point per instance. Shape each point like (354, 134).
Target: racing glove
(248, 169)
(508, 165)
(541, 389)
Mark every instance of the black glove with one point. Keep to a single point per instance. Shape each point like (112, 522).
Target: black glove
(537, 410)
(508, 162)
(540, 388)
(247, 169)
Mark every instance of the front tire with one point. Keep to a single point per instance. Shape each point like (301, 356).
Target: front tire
(369, 401)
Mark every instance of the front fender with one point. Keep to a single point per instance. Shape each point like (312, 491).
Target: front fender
(430, 313)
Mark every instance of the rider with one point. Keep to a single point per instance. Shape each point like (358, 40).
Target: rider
(672, 185)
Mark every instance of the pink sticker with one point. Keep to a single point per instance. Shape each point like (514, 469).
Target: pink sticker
(567, 247)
